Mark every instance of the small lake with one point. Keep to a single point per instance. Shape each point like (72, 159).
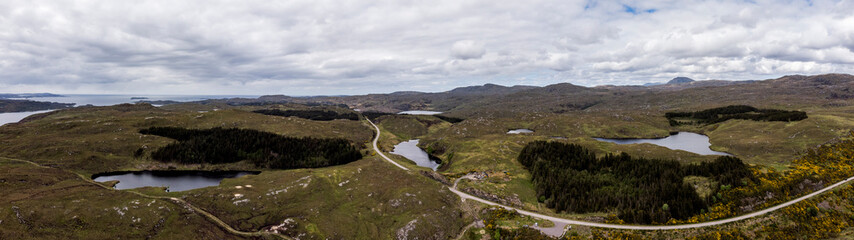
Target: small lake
(107, 100)
(419, 112)
(14, 117)
(520, 131)
(176, 181)
(686, 141)
(411, 151)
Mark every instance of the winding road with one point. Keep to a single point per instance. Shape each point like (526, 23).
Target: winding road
(180, 202)
(377, 138)
(465, 196)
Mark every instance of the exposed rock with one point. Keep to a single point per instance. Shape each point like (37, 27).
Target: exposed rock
(598, 219)
(282, 228)
(403, 233)
(809, 186)
(435, 176)
(18, 215)
(509, 201)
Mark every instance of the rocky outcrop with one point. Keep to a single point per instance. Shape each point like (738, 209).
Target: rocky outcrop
(436, 176)
(509, 201)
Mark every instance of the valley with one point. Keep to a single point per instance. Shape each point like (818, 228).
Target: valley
(370, 193)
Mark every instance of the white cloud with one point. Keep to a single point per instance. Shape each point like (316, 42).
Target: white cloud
(467, 49)
(306, 47)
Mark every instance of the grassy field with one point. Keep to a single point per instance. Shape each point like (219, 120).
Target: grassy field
(481, 144)
(49, 203)
(777, 143)
(100, 139)
(369, 198)
(366, 199)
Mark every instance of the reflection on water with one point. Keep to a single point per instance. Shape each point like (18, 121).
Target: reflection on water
(17, 116)
(419, 112)
(174, 180)
(518, 131)
(687, 141)
(411, 151)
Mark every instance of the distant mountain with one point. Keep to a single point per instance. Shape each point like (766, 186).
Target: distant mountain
(406, 93)
(817, 80)
(489, 88)
(560, 89)
(678, 80)
(697, 84)
(28, 95)
(680, 92)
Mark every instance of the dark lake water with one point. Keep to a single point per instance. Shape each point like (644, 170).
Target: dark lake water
(175, 180)
(411, 151)
(686, 141)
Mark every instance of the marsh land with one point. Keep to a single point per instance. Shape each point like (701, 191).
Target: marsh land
(319, 176)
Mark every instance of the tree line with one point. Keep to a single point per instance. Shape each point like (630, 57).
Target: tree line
(319, 115)
(721, 114)
(264, 149)
(449, 119)
(374, 115)
(570, 178)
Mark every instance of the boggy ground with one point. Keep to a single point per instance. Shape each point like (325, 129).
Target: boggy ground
(49, 203)
(91, 140)
(362, 194)
(366, 199)
(481, 144)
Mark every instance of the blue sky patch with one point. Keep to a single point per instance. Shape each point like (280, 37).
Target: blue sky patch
(636, 11)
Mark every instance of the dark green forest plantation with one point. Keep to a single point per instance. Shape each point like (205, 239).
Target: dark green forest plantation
(267, 150)
(721, 114)
(570, 178)
(318, 115)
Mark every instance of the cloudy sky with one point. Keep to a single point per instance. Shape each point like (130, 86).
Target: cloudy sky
(313, 47)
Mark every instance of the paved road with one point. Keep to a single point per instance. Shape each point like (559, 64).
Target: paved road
(648, 227)
(465, 196)
(381, 152)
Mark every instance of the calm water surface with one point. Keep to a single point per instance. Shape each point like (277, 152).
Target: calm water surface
(518, 131)
(175, 180)
(17, 116)
(419, 112)
(411, 151)
(687, 141)
(106, 100)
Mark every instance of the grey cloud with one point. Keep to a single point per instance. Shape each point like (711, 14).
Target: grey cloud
(334, 47)
(467, 49)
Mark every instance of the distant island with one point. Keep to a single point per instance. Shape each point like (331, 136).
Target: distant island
(138, 98)
(10, 105)
(27, 95)
(158, 102)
